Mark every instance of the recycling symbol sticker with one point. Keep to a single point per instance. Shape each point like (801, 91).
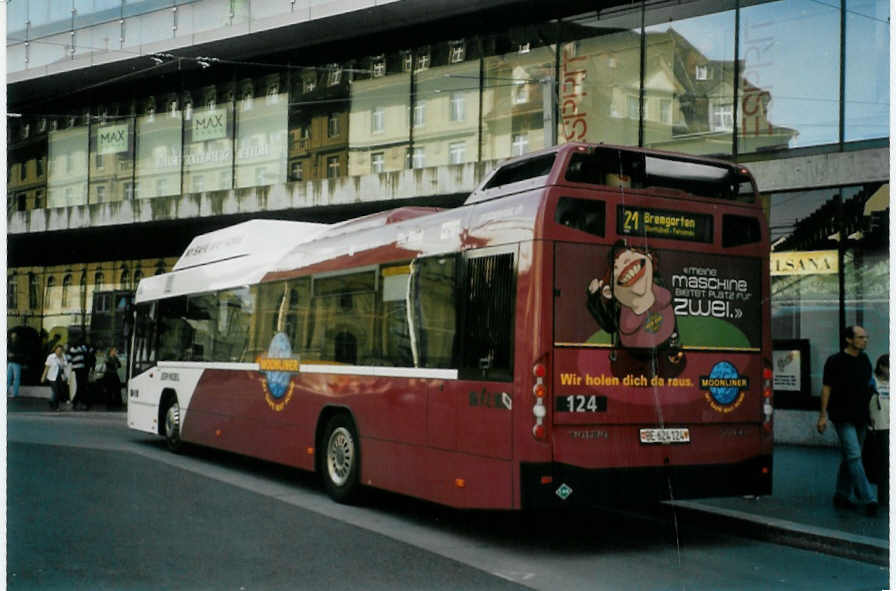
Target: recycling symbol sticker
(564, 491)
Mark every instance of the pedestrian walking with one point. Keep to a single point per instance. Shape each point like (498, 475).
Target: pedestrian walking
(110, 381)
(82, 361)
(54, 373)
(15, 357)
(876, 454)
(845, 394)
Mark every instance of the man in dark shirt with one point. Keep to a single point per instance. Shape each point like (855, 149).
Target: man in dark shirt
(845, 393)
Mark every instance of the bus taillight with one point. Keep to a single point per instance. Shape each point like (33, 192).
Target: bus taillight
(540, 392)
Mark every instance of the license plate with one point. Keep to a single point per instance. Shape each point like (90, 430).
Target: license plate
(665, 436)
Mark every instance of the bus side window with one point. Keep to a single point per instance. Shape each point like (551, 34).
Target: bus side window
(145, 329)
(433, 286)
(342, 318)
(173, 329)
(738, 230)
(488, 296)
(392, 308)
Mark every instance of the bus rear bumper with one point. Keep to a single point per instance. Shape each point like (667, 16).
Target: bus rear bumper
(143, 417)
(560, 485)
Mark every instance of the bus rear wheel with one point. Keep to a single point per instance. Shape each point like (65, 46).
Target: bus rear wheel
(172, 426)
(341, 460)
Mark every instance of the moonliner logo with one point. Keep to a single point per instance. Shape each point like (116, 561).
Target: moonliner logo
(277, 368)
(725, 387)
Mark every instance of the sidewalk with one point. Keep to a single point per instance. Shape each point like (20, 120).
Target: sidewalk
(34, 400)
(799, 512)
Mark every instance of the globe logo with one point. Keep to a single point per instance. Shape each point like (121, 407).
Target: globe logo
(278, 381)
(724, 382)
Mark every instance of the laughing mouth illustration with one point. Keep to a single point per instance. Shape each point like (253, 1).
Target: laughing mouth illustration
(631, 273)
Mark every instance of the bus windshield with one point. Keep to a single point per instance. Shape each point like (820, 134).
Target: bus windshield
(636, 170)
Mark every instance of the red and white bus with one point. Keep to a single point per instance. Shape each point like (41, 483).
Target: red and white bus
(591, 327)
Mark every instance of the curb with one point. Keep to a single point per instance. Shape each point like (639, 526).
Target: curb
(780, 531)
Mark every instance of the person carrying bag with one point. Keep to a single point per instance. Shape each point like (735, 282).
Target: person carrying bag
(876, 453)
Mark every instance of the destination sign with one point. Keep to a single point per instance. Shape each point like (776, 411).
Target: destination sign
(659, 223)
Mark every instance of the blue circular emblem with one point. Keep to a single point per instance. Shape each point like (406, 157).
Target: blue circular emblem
(724, 372)
(278, 381)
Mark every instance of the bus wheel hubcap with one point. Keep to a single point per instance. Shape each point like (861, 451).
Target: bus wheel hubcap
(340, 456)
(172, 421)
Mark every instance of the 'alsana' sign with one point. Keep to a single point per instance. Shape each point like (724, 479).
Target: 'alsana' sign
(811, 262)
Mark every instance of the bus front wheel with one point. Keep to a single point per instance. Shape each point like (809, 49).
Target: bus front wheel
(172, 426)
(341, 464)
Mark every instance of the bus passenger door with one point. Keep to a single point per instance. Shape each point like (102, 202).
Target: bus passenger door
(463, 318)
(486, 299)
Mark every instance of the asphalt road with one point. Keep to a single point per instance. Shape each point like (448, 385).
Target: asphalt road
(92, 505)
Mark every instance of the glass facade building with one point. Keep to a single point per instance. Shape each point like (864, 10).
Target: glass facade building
(758, 82)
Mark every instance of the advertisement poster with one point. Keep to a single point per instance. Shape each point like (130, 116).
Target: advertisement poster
(655, 305)
(787, 370)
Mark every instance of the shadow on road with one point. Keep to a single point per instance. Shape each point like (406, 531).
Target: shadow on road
(603, 530)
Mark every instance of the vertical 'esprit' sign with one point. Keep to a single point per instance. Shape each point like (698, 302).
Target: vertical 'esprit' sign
(112, 139)
(210, 125)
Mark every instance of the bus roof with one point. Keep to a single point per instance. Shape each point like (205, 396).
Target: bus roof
(545, 167)
(230, 257)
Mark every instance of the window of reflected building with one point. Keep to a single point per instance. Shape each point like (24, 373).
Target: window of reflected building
(208, 140)
(689, 78)
(67, 156)
(515, 65)
(26, 163)
(319, 105)
(378, 118)
(261, 136)
(867, 89)
(159, 125)
(789, 92)
(446, 103)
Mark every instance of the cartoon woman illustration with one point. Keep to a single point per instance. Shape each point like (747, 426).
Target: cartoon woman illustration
(630, 304)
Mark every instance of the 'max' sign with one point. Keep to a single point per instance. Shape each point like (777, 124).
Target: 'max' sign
(804, 262)
(210, 125)
(112, 139)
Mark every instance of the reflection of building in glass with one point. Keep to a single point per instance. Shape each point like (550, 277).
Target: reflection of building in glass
(208, 141)
(67, 166)
(378, 119)
(158, 154)
(513, 103)
(262, 112)
(688, 99)
(318, 124)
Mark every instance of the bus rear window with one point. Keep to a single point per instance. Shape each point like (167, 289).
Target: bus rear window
(635, 170)
(521, 171)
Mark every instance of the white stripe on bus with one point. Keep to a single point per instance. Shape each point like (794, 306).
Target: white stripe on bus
(318, 368)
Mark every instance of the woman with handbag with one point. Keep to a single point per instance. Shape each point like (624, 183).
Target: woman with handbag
(876, 454)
